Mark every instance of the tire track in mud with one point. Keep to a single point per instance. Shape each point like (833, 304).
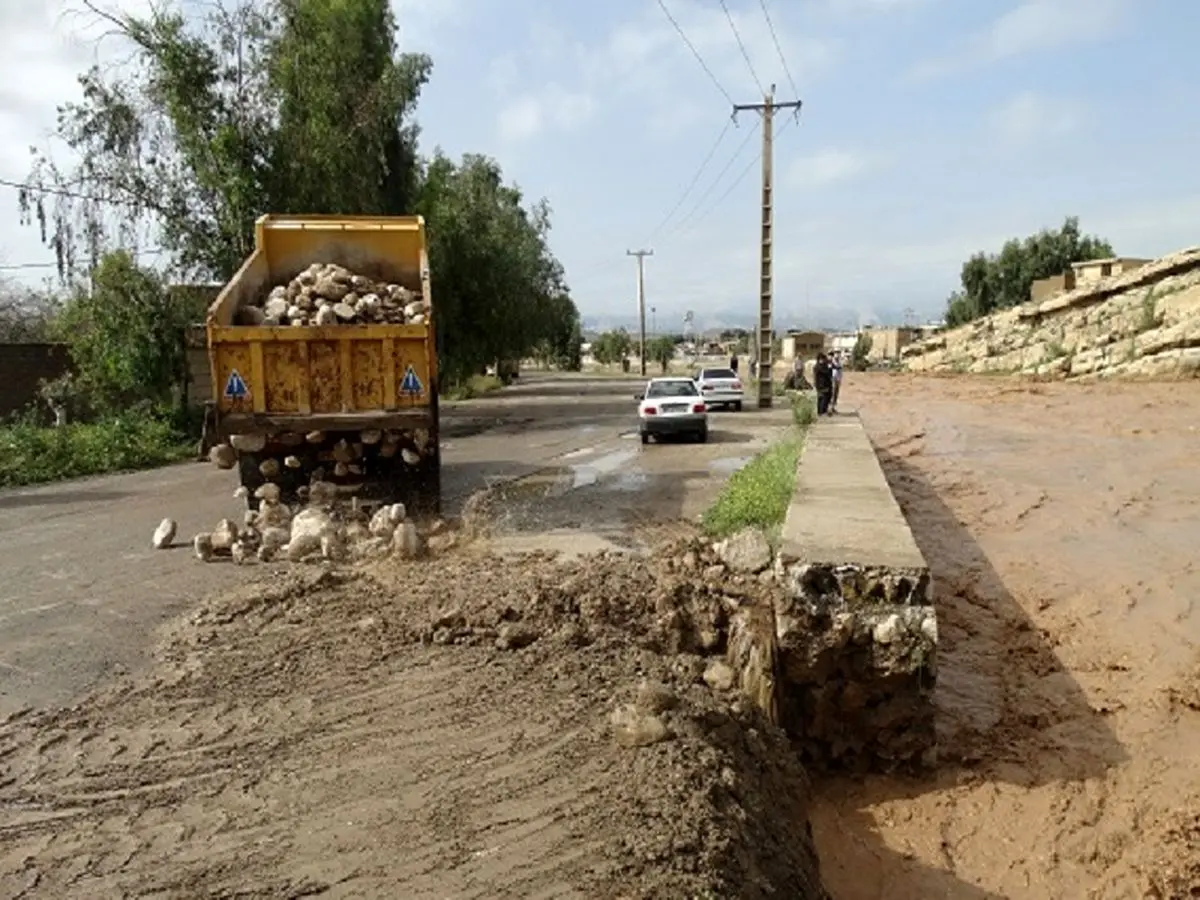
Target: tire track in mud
(327, 735)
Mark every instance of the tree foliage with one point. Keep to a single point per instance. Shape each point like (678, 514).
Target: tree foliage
(25, 314)
(612, 347)
(860, 354)
(292, 106)
(125, 334)
(992, 282)
(661, 350)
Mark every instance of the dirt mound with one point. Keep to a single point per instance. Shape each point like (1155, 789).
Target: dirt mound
(467, 726)
(1177, 875)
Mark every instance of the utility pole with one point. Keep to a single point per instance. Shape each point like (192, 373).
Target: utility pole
(641, 292)
(766, 327)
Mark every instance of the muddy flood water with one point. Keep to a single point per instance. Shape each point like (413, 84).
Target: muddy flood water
(1062, 524)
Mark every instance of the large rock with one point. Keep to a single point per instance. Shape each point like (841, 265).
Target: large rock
(748, 551)
(310, 533)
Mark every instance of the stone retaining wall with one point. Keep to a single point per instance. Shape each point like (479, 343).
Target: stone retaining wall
(846, 660)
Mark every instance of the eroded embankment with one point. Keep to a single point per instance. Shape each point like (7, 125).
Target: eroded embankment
(466, 725)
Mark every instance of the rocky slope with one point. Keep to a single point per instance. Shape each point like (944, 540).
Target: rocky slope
(1144, 323)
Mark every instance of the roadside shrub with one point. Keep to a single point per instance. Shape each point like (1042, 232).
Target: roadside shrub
(33, 454)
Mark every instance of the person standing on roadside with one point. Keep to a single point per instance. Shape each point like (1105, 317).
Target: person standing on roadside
(835, 367)
(823, 382)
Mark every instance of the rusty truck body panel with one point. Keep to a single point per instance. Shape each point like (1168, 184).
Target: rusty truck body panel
(274, 380)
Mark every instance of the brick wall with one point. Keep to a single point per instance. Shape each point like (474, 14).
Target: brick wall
(22, 366)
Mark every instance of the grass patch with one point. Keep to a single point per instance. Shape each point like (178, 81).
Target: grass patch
(475, 386)
(32, 454)
(1150, 317)
(758, 494)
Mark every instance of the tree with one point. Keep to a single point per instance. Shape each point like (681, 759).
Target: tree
(861, 352)
(293, 106)
(25, 315)
(500, 293)
(288, 106)
(562, 348)
(125, 334)
(1003, 280)
(612, 347)
(662, 351)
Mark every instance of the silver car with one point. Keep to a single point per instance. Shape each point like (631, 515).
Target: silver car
(672, 407)
(720, 387)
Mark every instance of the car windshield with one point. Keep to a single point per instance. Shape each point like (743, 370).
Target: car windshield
(671, 389)
(708, 374)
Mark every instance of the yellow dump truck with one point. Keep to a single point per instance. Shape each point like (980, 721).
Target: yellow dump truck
(324, 360)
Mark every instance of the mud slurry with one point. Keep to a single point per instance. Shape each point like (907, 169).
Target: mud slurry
(430, 729)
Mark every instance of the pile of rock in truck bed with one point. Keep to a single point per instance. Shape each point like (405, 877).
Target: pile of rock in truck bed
(329, 294)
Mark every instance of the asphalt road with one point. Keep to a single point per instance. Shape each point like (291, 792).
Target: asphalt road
(82, 592)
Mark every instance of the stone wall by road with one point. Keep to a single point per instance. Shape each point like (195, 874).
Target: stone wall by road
(844, 656)
(1144, 323)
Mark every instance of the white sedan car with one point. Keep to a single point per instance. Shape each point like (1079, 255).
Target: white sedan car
(672, 407)
(720, 387)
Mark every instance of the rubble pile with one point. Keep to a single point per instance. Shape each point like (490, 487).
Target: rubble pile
(842, 657)
(329, 294)
(324, 529)
(857, 654)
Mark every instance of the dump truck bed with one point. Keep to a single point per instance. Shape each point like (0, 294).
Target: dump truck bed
(354, 404)
(337, 377)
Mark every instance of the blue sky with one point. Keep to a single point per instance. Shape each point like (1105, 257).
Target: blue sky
(930, 129)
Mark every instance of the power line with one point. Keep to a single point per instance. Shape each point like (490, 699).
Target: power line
(64, 192)
(695, 52)
(680, 226)
(742, 47)
(778, 48)
(746, 171)
(16, 267)
(695, 180)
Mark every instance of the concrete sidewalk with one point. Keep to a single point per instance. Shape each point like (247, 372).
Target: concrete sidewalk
(843, 511)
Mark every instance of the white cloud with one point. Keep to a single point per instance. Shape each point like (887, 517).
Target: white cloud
(552, 107)
(1031, 118)
(826, 167)
(645, 62)
(420, 22)
(1030, 26)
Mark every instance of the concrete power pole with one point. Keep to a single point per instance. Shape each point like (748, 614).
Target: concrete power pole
(641, 292)
(766, 326)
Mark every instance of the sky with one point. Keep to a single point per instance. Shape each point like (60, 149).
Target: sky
(930, 129)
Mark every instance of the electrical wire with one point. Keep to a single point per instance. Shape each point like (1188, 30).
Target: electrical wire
(746, 171)
(692, 184)
(741, 46)
(680, 226)
(695, 52)
(17, 267)
(779, 49)
(64, 192)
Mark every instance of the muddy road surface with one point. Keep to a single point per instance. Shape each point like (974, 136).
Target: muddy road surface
(1061, 523)
(81, 592)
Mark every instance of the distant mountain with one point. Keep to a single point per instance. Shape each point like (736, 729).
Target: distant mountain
(820, 319)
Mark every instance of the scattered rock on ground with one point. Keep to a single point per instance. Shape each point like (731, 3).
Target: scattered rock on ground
(164, 534)
(747, 551)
